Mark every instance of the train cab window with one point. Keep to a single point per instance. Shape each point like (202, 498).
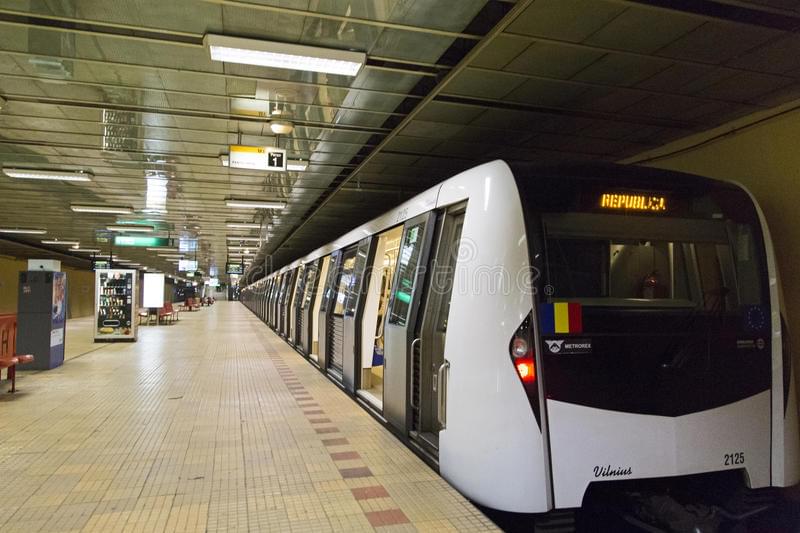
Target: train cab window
(639, 265)
(407, 262)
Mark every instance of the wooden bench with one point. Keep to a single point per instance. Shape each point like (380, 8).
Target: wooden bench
(11, 364)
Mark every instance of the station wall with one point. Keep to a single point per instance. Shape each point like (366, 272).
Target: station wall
(762, 153)
(80, 287)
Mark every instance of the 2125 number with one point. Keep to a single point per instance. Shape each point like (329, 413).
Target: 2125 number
(734, 458)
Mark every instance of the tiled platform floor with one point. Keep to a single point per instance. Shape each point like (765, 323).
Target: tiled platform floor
(210, 424)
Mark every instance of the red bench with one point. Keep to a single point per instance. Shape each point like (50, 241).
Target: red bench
(11, 364)
(167, 313)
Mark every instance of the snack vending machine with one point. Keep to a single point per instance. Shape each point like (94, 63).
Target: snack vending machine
(115, 305)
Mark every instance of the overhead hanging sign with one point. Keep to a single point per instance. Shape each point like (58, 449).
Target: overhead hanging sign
(257, 158)
(140, 240)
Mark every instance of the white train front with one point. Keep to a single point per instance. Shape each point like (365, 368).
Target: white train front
(532, 333)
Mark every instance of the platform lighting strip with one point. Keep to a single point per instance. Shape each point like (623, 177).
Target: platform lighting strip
(106, 209)
(255, 204)
(87, 250)
(24, 231)
(243, 238)
(283, 55)
(55, 175)
(243, 225)
(133, 228)
(65, 243)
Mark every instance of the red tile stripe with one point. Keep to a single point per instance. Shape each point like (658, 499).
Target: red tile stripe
(389, 517)
(366, 493)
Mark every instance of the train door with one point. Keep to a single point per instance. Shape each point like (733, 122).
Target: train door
(317, 324)
(428, 368)
(378, 290)
(268, 299)
(353, 313)
(275, 300)
(294, 302)
(326, 308)
(284, 326)
(335, 345)
(306, 304)
(401, 317)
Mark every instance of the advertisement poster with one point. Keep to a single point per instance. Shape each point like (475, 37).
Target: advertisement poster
(59, 312)
(58, 316)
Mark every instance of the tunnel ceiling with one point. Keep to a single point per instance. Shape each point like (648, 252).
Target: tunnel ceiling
(125, 89)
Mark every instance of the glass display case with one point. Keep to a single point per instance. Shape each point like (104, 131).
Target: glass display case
(115, 305)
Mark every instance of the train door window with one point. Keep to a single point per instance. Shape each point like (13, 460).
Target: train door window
(354, 284)
(372, 361)
(407, 263)
(346, 281)
(325, 267)
(308, 285)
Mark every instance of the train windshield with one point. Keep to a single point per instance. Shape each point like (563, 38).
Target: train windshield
(666, 289)
(632, 261)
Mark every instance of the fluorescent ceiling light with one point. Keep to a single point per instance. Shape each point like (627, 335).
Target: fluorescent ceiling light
(24, 231)
(65, 243)
(162, 249)
(133, 228)
(108, 209)
(255, 204)
(283, 55)
(243, 225)
(296, 164)
(224, 160)
(156, 196)
(87, 250)
(242, 238)
(59, 175)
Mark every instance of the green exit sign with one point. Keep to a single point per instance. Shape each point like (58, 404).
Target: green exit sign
(140, 240)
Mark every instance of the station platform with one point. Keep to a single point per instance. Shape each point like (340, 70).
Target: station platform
(213, 423)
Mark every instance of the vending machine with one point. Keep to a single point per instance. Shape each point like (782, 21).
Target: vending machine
(115, 305)
(42, 317)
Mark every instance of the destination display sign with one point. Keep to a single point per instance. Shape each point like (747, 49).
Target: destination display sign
(633, 202)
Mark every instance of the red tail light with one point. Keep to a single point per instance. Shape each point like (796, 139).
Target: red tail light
(526, 370)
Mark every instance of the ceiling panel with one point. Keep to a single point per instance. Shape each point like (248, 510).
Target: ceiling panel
(447, 85)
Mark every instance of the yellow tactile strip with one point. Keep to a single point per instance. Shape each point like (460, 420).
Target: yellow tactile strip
(195, 428)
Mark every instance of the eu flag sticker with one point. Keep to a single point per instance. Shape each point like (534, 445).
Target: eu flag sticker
(755, 318)
(561, 318)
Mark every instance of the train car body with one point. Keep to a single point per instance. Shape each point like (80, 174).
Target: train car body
(536, 332)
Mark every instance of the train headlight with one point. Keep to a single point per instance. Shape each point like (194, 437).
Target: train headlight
(519, 347)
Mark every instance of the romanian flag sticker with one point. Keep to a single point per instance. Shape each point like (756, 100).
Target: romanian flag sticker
(561, 318)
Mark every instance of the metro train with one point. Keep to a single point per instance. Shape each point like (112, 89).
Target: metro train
(534, 333)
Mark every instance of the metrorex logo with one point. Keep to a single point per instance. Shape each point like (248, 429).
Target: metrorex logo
(568, 346)
(554, 346)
